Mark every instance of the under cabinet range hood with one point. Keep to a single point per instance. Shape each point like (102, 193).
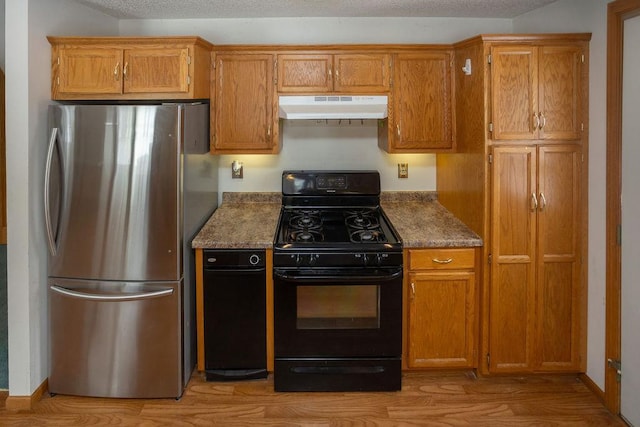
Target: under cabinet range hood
(333, 107)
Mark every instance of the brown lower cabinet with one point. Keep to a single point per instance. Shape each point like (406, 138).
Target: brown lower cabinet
(441, 318)
(535, 287)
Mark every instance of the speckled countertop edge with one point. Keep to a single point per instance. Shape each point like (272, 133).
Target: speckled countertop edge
(243, 220)
(249, 220)
(422, 222)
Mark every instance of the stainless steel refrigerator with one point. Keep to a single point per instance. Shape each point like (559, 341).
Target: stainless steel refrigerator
(127, 187)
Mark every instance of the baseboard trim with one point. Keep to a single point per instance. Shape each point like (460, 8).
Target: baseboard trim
(26, 403)
(592, 386)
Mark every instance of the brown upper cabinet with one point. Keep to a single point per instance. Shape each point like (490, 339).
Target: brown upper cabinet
(421, 114)
(130, 68)
(244, 118)
(536, 91)
(322, 73)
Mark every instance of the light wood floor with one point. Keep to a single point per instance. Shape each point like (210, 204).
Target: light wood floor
(433, 399)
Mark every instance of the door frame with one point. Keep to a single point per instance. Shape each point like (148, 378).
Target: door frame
(617, 12)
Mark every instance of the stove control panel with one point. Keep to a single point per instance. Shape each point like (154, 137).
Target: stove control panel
(336, 259)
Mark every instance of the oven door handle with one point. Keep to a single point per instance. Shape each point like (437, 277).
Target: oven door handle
(297, 277)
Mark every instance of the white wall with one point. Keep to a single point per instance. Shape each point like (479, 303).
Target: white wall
(587, 16)
(2, 36)
(28, 67)
(307, 145)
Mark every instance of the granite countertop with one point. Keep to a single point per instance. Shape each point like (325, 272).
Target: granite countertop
(249, 220)
(243, 220)
(422, 222)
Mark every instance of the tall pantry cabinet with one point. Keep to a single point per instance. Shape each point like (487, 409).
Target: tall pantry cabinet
(519, 179)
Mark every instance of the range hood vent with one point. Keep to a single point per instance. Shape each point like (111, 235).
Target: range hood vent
(333, 107)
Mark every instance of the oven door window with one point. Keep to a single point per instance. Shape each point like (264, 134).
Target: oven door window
(338, 307)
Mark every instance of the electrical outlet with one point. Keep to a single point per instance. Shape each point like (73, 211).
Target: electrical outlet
(403, 170)
(237, 169)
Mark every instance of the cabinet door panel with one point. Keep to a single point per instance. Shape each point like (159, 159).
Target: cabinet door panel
(514, 92)
(422, 117)
(513, 230)
(560, 92)
(558, 257)
(90, 71)
(360, 73)
(441, 327)
(305, 73)
(556, 345)
(160, 70)
(244, 103)
(512, 309)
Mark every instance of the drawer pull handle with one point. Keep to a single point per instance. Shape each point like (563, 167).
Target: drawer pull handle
(442, 261)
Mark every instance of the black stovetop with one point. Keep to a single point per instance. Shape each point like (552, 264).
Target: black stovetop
(334, 211)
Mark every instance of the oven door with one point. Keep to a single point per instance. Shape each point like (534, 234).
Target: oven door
(333, 313)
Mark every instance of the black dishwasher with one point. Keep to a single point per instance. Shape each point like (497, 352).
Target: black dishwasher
(235, 335)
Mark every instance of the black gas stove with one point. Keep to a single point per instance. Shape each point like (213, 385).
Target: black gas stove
(337, 269)
(326, 215)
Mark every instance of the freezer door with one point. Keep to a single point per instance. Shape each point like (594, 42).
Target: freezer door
(115, 340)
(112, 192)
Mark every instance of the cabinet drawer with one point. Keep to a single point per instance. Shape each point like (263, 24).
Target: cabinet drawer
(439, 259)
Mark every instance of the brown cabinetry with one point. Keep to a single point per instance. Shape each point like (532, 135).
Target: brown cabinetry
(520, 181)
(534, 318)
(421, 115)
(442, 309)
(244, 118)
(346, 73)
(536, 91)
(130, 68)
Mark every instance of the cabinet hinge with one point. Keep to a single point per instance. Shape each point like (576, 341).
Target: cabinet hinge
(583, 58)
(489, 259)
(188, 80)
(58, 60)
(275, 72)
(490, 158)
(489, 59)
(491, 127)
(617, 365)
(188, 60)
(58, 81)
(488, 360)
(619, 235)
(582, 127)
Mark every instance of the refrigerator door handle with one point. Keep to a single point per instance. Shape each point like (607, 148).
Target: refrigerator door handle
(120, 297)
(47, 181)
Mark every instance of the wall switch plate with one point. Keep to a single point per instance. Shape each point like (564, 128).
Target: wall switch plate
(237, 169)
(403, 170)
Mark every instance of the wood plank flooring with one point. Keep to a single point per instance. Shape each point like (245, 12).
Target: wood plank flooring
(426, 399)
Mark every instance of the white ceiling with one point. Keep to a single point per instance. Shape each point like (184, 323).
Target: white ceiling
(188, 9)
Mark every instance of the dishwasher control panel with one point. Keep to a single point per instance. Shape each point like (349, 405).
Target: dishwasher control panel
(233, 258)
